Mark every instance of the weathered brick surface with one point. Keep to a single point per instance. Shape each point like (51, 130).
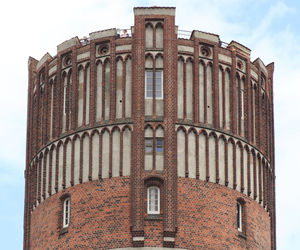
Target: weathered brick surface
(207, 218)
(99, 217)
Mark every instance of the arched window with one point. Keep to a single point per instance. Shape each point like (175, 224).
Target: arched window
(239, 212)
(153, 200)
(241, 217)
(66, 212)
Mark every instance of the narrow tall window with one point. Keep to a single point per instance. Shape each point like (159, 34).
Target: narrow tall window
(149, 84)
(149, 81)
(66, 212)
(158, 84)
(239, 212)
(153, 204)
(159, 145)
(148, 145)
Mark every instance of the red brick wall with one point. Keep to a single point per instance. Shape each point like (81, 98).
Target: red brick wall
(99, 217)
(207, 218)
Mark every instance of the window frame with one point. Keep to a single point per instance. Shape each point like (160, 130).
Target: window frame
(154, 72)
(239, 217)
(66, 213)
(149, 211)
(147, 144)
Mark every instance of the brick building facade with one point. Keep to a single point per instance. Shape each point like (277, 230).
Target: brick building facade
(141, 138)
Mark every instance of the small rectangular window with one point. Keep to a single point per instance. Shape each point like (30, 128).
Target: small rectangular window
(66, 212)
(158, 84)
(149, 84)
(159, 145)
(148, 145)
(239, 216)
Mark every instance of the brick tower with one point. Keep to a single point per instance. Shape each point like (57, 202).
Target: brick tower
(142, 138)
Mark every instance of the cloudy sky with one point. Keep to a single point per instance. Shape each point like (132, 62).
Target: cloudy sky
(270, 28)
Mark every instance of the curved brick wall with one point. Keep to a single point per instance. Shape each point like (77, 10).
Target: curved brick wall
(100, 212)
(110, 115)
(207, 218)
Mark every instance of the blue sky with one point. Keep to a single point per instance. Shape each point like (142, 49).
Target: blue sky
(32, 28)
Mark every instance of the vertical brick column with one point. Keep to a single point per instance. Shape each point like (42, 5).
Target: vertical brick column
(233, 98)
(248, 111)
(170, 157)
(93, 87)
(137, 152)
(215, 80)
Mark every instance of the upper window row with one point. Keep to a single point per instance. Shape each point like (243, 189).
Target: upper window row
(154, 84)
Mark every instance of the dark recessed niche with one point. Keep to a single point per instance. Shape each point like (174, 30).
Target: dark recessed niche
(239, 64)
(68, 60)
(103, 49)
(205, 51)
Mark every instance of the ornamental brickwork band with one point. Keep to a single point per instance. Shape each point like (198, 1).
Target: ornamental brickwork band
(150, 137)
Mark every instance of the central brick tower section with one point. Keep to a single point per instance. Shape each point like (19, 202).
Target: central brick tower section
(150, 138)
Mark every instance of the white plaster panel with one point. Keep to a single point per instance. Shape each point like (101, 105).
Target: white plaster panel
(105, 155)
(257, 177)
(209, 89)
(254, 75)
(159, 108)
(254, 114)
(103, 33)
(212, 159)
(225, 58)
(41, 165)
(230, 164)
(68, 44)
(149, 132)
(148, 161)
(207, 36)
(149, 37)
(252, 176)
(60, 167)
(51, 110)
(53, 171)
(159, 162)
(181, 153)
(159, 132)
(227, 100)
(202, 157)
(76, 160)
(149, 62)
(83, 55)
(189, 90)
(123, 47)
(47, 173)
(128, 84)
(222, 161)
(242, 107)
(185, 48)
(119, 88)
(107, 90)
(85, 160)
(192, 154)
(201, 93)
(68, 163)
(44, 59)
(221, 119)
(245, 176)
(126, 152)
(80, 96)
(95, 156)
(64, 104)
(159, 62)
(52, 70)
(238, 167)
(148, 107)
(154, 11)
(180, 89)
(99, 92)
(116, 153)
(87, 110)
(159, 37)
